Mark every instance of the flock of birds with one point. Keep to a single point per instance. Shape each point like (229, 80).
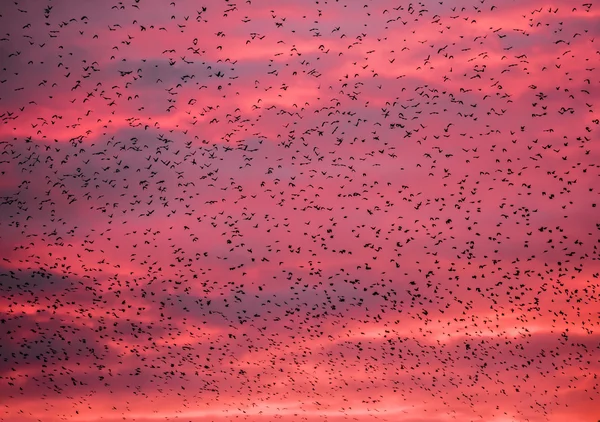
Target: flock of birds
(299, 210)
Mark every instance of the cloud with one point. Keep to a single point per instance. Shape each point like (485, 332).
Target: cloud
(334, 211)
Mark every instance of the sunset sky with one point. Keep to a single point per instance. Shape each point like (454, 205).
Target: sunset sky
(299, 210)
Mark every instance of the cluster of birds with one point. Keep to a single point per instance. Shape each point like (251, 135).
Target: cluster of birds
(299, 210)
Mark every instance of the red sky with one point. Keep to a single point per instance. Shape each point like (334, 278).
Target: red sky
(300, 211)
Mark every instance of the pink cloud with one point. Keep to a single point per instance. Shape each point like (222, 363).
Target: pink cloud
(334, 211)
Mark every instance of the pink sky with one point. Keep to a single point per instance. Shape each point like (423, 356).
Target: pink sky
(299, 211)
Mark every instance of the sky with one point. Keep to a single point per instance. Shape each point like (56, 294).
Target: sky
(299, 210)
